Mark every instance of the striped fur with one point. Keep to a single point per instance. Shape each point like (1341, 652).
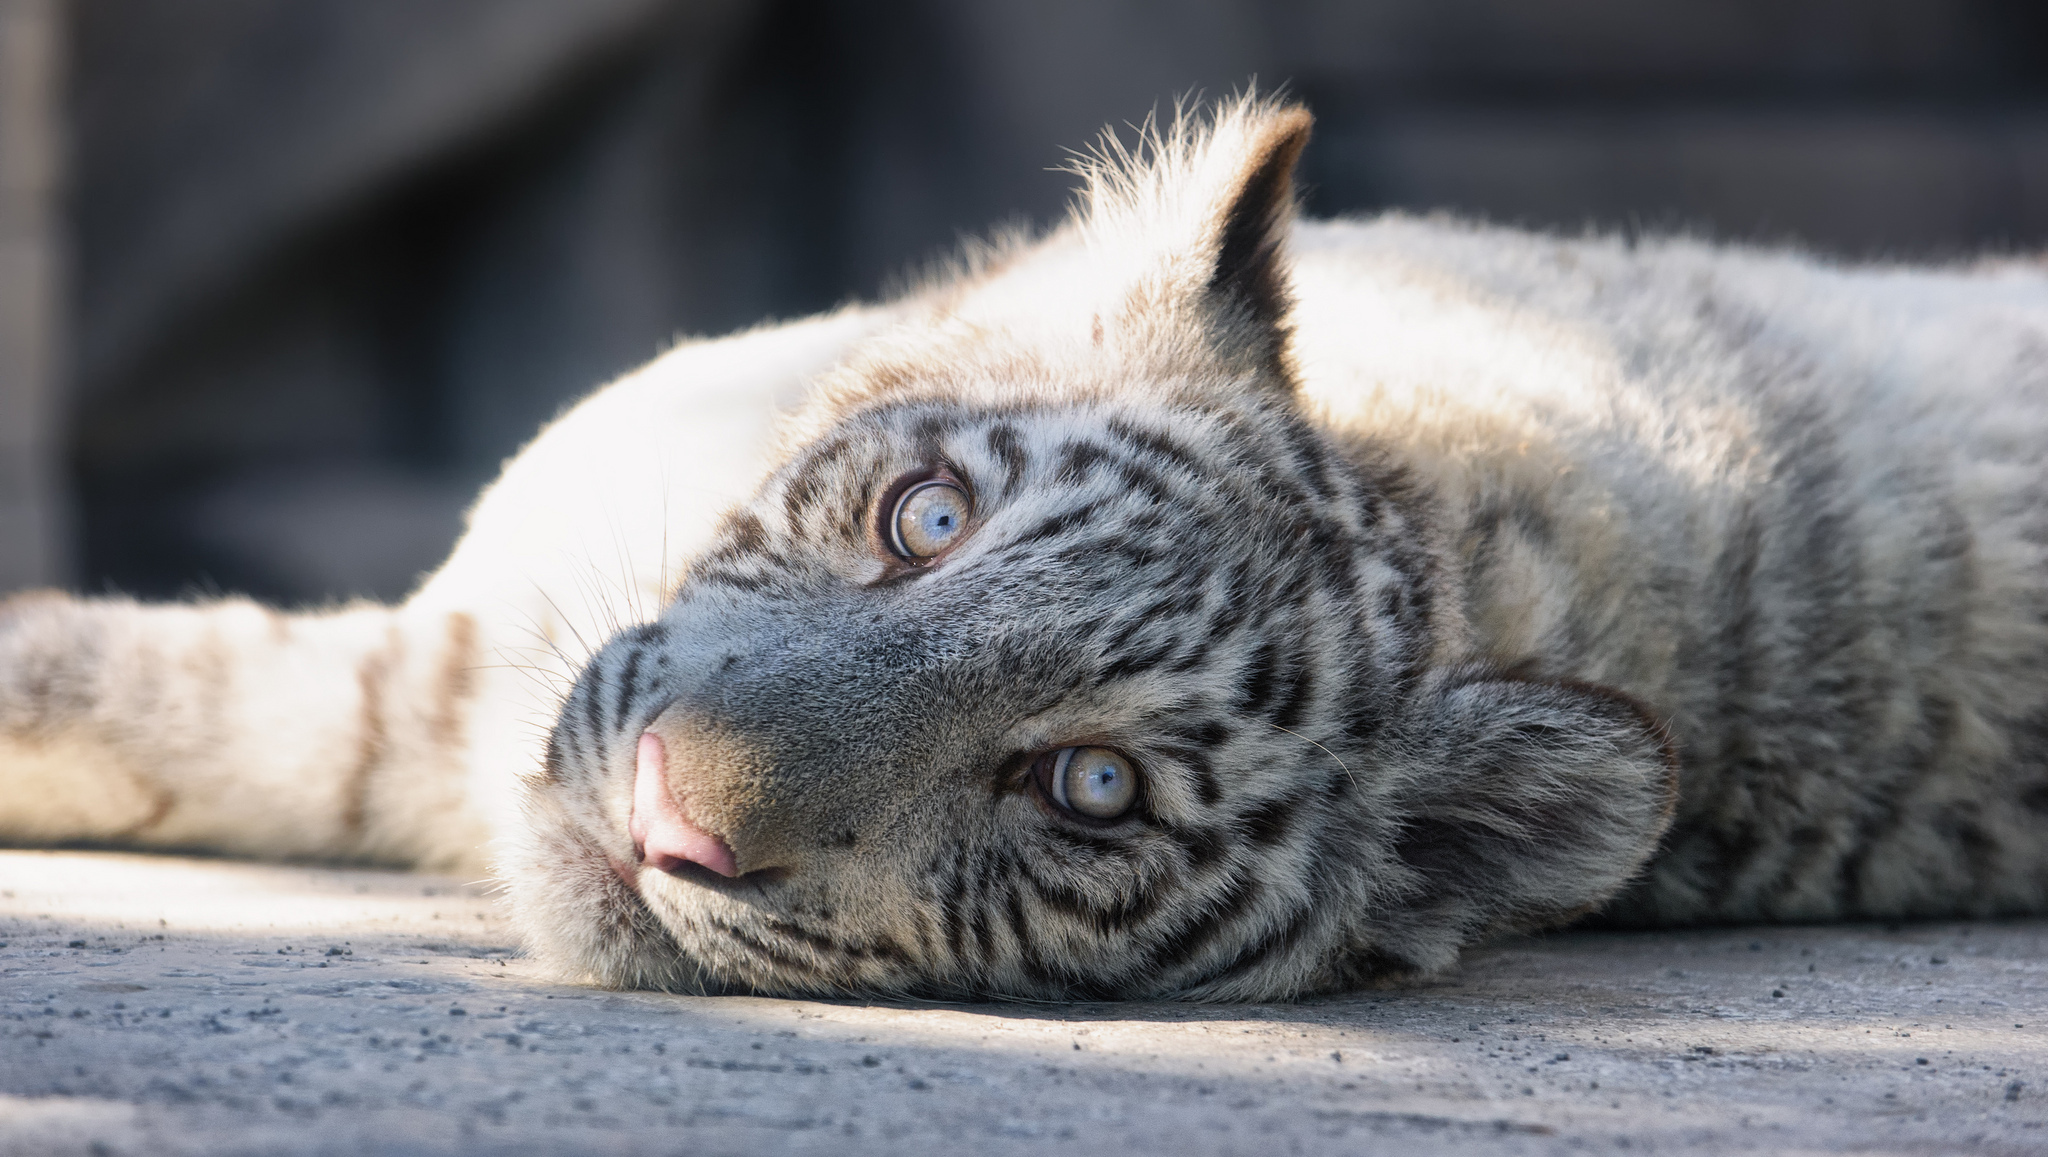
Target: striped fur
(1432, 576)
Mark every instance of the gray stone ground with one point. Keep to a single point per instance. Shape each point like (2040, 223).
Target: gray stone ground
(169, 1006)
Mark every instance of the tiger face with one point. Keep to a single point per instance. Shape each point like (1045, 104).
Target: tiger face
(1076, 665)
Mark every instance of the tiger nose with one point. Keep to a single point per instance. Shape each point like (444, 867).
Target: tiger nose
(663, 835)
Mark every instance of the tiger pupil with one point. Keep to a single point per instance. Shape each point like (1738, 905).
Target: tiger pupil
(927, 518)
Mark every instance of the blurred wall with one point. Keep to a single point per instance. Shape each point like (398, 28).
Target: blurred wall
(34, 534)
(334, 259)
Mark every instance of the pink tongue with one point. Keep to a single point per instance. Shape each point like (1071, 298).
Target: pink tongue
(665, 840)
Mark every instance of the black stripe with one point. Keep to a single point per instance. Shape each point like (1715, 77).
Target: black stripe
(1056, 525)
(1136, 664)
(930, 429)
(978, 923)
(1158, 445)
(626, 685)
(743, 535)
(593, 720)
(1297, 684)
(723, 578)
(1085, 841)
(552, 762)
(1144, 481)
(1204, 845)
(1077, 460)
(1106, 921)
(879, 949)
(1020, 930)
(1309, 455)
(1198, 763)
(1255, 682)
(1233, 606)
(807, 485)
(1005, 445)
(1266, 822)
(927, 936)
(1208, 733)
(767, 952)
(1185, 942)
(951, 902)
(1282, 939)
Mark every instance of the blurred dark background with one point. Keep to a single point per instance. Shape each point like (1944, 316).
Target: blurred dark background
(313, 268)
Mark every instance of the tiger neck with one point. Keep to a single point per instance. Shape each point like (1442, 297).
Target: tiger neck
(1558, 567)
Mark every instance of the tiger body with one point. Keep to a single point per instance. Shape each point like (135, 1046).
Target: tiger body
(1429, 581)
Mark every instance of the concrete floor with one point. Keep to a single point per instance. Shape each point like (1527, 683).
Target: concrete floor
(168, 1006)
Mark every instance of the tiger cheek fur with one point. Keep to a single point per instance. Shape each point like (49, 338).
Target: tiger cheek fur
(1165, 558)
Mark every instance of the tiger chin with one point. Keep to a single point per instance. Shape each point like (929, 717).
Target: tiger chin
(1192, 602)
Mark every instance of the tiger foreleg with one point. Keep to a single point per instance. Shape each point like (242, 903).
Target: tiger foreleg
(228, 727)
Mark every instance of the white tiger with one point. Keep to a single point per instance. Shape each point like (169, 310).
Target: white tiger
(1191, 602)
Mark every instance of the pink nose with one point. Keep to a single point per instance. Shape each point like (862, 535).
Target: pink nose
(662, 835)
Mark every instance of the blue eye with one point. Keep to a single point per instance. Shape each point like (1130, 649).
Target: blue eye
(929, 517)
(1091, 781)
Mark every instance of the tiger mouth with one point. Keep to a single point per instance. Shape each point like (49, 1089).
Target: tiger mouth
(746, 883)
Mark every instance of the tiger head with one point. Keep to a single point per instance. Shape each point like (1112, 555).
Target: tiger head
(1065, 656)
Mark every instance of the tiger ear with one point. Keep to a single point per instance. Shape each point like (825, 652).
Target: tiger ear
(1532, 803)
(1203, 207)
(1248, 274)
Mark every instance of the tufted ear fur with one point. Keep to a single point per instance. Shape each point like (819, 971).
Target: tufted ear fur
(1202, 209)
(1534, 803)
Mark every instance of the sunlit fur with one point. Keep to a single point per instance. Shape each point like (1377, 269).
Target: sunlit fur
(1432, 576)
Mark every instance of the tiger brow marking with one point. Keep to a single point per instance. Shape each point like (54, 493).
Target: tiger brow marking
(805, 489)
(745, 537)
(930, 429)
(1004, 444)
(1056, 525)
(1078, 460)
(1140, 479)
(1156, 444)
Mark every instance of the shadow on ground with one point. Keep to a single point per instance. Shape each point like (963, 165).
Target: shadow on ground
(171, 1006)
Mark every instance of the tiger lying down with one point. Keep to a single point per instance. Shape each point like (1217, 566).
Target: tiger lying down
(1190, 603)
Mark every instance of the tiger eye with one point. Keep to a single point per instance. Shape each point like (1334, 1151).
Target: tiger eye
(1092, 781)
(929, 517)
